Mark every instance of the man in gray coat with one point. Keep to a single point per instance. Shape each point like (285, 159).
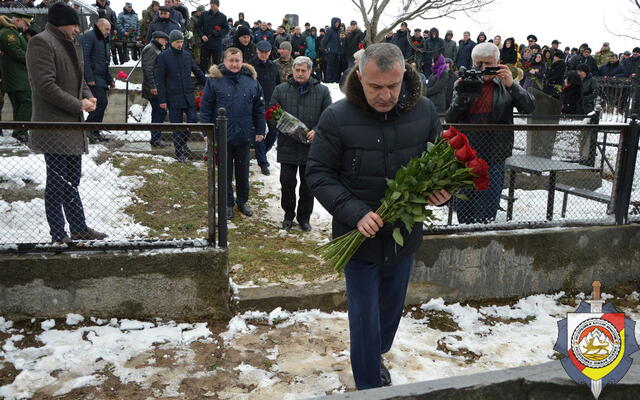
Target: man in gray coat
(305, 98)
(159, 41)
(60, 94)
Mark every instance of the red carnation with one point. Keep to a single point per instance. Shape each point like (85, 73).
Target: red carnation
(465, 153)
(478, 167)
(218, 28)
(458, 141)
(481, 183)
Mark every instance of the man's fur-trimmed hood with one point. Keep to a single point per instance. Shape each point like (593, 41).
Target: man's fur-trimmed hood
(410, 94)
(217, 72)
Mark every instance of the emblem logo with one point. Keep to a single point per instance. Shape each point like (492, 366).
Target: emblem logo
(597, 341)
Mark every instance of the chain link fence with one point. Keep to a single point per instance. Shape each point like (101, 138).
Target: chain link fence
(567, 173)
(618, 98)
(118, 193)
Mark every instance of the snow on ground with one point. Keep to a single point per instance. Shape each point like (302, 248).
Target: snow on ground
(80, 355)
(308, 351)
(104, 194)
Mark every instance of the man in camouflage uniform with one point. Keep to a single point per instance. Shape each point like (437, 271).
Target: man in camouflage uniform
(196, 40)
(15, 80)
(148, 16)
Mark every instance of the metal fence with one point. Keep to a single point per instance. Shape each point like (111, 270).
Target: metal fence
(548, 175)
(47, 197)
(618, 98)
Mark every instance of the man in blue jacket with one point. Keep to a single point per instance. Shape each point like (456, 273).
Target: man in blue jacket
(234, 87)
(95, 48)
(464, 51)
(332, 46)
(163, 23)
(176, 89)
(212, 28)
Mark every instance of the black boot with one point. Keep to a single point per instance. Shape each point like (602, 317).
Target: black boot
(229, 212)
(244, 208)
(385, 376)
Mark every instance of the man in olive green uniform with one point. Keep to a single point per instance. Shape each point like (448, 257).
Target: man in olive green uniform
(15, 80)
(196, 40)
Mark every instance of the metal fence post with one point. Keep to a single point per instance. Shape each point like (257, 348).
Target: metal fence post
(221, 130)
(624, 184)
(211, 184)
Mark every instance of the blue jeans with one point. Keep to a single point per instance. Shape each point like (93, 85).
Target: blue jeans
(158, 116)
(375, 295)
(261, 148)
(180, 138)
(61, 192)
(482, 206)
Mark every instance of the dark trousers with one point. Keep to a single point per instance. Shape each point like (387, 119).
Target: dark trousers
(288, 183)
(118, 55)
(261, 148)
(21, 104)
(333, 68)
(238, 164)
(205, 58)
(375, 296)
(482, 206)
(100, 93)
(180, 138)
(158, 116)
(61, 192)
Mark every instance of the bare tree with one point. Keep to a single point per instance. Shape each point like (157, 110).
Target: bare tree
(631, 19)
(373, 10)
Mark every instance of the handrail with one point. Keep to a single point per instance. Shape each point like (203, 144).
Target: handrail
(126, 93)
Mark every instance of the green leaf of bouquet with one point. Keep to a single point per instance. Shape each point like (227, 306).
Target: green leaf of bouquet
(461, 196)
(395, 195)
(397, 236)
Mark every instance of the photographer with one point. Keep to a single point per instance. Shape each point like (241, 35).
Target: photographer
(497, 94)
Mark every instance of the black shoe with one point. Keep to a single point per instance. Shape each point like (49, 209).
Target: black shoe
(244, 208)
(305, 226)
(158, 143)
(182, 159)
(265, 170)
(21, 137)
(89, 234)
(229, 212)
(96, 137)
(287, 225)
(385, 376)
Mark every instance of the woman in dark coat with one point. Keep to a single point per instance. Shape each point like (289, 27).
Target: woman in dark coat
(535, 75)
(572, 94)
(508, 53)
(437, 84)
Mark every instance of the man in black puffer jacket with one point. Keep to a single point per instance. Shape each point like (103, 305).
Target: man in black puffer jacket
(176, 91)
(95, 49)
(305, 98)
(362, 141)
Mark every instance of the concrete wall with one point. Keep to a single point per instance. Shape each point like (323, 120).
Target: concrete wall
(169, 284)
(521, 263)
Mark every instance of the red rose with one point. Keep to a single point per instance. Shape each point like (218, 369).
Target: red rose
(481, 183)
(478, 167)
(218, 28)
(360, 46)
(465, 154)
(449, 133)
(458, 141)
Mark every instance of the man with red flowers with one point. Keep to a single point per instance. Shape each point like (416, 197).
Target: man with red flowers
(500, 94)
(212, 28)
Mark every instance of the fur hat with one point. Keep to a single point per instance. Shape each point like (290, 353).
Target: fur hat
(61, 14)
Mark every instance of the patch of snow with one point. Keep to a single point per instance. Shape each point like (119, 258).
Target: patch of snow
(48, 324)
(74, 319)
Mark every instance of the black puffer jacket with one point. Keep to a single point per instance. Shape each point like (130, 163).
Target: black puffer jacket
(306, 104)
(493, 146)
(95, 49)
(357, 149)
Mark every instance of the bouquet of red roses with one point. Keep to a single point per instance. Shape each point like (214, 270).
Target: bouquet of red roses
(122, 75)
(450, 164)
(198, 99)
(287, 123)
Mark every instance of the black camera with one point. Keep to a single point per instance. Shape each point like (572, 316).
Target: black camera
(471, 84)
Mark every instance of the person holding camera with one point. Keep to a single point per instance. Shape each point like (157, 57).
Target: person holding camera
(497, 95)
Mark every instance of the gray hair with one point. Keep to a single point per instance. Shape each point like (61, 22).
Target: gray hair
(302, 60)
(357, 55)
(485, 50)
(386, 56)
(103, 22)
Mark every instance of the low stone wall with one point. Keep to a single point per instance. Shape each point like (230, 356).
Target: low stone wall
(190, 284)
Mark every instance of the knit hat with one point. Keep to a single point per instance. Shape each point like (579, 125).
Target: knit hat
(243, 31)
(286, 46)
(61, 14)
(159, 34)
(175, 35)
